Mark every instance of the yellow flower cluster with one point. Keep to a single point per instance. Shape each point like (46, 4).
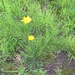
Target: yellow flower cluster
(31, 37)
(28, 20)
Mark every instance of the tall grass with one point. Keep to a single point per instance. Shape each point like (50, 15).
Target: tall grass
(52, 25)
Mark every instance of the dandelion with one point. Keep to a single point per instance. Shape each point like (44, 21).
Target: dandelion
(26, 19)
(31, 37)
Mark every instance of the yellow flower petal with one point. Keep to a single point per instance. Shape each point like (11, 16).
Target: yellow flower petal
(31, 37)
(26, 19)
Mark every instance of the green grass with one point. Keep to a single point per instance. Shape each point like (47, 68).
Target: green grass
(52, 25)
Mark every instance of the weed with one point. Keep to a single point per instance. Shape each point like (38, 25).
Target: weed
(48, 24)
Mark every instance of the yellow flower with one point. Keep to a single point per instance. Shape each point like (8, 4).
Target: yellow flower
(26, 19)
(31, 37)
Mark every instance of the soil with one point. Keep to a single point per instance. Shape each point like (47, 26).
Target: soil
(61, 64)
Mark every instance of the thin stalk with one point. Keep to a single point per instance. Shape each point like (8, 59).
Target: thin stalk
(3, 5)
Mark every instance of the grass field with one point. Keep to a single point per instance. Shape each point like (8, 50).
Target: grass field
(32, 32)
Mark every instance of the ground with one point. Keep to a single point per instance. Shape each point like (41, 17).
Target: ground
(61, 63)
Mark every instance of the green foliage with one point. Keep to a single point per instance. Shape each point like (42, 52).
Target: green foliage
(72, 45)
(40, 72)
(52, 25)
